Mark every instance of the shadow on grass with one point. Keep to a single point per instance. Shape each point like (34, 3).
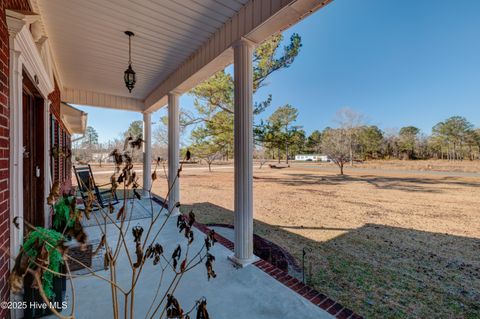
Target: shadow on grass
(381, 271)
(409, 184)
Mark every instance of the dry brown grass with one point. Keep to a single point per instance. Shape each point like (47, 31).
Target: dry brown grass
(384, 245)
(425, 165)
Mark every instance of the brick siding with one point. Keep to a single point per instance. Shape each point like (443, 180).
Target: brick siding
(4, 149)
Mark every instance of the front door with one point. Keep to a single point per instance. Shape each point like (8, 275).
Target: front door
(33, 155)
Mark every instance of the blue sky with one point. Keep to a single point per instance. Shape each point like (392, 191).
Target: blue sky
(398, 62)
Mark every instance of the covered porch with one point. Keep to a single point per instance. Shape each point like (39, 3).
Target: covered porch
(177, 44)
(258, 291)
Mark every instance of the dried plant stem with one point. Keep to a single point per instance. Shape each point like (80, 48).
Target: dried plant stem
(156, 293)
(38, 281)
(114, 290)
(122, 237)
(114, 247)
(178, 275)
(125, 306)
(93, 273)
(164, 296)
(152, 223)
(73, 288)
(141, 265)
(173, 290)
(132, 294)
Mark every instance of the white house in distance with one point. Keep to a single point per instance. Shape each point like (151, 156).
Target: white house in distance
(312, 157)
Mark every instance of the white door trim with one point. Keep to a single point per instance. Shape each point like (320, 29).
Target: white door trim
(24, 56)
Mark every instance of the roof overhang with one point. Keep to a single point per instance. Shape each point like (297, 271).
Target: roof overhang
(74, 119)
(177, 44)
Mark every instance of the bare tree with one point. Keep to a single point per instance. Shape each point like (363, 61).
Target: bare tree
(208, 152)
(259, 154)
(350, 121)
(336, 144)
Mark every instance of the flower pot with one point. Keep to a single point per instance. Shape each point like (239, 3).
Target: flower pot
(35, 306)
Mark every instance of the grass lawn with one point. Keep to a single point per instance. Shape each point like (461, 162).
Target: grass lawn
(386, 245)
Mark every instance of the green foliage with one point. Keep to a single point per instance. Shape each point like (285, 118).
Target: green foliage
(278, 133)
(266, 60)
(135, 130)
(297, 141)
(284, 116)
(207, 151)
(214, 99)
(370, 140)
(314, 142)
(408, 137)
(452, 133)
(48, 238)
(91, 137)
(61, 216)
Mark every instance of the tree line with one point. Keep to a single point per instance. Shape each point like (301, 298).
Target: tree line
(279, 137)
(89, 149)
(352, 140)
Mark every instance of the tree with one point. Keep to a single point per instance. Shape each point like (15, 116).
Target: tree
(135, 130)
(87, 145)
(390, 143)
(282, 119)
(452, 133)
(216, 131)
(350, 121)
(297, 142)
(259, 153)
(336, 144)
(214, 101)
(208, 152)
(91, 137)
(314, 142)
(270, 136)
(407, 140)
(472, 141)
(370, 139)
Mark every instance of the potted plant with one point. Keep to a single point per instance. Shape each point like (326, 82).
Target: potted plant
(65, 213)
(42, 253)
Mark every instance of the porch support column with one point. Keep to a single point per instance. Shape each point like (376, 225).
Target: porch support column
(243, 153)
(173, 151)
(147, 152)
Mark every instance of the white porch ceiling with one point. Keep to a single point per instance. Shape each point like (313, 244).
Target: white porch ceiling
(91, 50)
(177, 43)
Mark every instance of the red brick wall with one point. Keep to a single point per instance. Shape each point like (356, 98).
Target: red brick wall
(4, 148)
(4, 158)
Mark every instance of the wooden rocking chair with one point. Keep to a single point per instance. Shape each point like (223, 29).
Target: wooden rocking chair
(86, 184)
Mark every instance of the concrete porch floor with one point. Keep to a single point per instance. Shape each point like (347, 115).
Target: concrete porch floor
(234, 293)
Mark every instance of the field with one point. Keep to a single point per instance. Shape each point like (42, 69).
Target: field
(384, 242)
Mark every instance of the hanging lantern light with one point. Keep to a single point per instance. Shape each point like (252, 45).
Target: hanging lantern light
(129, 75)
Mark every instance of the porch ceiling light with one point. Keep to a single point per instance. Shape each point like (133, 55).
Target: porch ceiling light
(129, 75)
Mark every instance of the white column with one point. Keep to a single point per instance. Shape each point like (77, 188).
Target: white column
(173, 151)
(147, 152)
(243, 153)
